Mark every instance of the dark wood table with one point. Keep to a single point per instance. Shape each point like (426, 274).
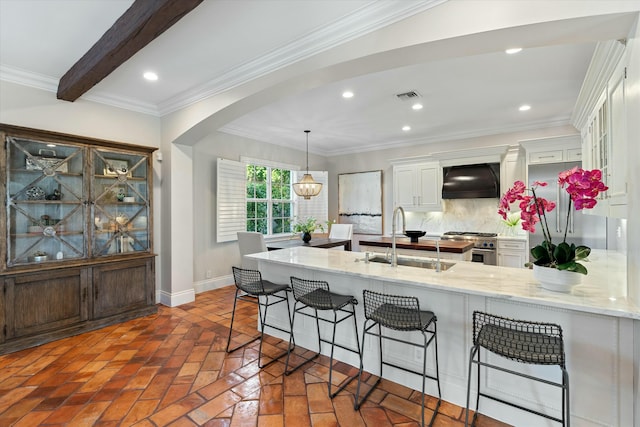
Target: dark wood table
(316, 242)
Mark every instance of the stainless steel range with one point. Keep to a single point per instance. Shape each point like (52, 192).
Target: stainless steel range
(484, 245)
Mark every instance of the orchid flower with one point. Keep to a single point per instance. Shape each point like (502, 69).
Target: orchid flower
(583, 187)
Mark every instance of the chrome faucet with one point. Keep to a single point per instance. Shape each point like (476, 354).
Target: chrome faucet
(394, 253)
(438, 253)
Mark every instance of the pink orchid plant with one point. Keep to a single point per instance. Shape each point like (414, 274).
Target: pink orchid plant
(583, 187)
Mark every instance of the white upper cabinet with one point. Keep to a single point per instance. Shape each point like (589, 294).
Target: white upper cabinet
(604, 139)
(618, 177)
(601, 117)
(557, 149)
(418, 186)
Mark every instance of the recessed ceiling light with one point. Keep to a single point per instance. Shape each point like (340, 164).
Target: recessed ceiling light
(417, 106)
(347, 94)
(406, 128)
(151, 76)
(513, 50)
(525, 108)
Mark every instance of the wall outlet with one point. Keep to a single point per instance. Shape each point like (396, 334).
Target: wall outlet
(208, 274)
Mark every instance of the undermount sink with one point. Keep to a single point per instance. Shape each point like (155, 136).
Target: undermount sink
(415, 262)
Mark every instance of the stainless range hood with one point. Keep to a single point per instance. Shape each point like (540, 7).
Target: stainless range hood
(471, 181)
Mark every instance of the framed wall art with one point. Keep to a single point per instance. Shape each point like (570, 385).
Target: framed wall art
(360, 201)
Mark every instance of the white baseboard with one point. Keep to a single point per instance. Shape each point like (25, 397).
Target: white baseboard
(177, 298)
(184, 297)
(211, 284)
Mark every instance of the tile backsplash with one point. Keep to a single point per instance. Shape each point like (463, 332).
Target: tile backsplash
(460, 215)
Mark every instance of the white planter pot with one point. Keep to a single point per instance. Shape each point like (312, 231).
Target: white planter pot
(556, 280)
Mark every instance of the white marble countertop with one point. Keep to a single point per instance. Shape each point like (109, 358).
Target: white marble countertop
(603, 290)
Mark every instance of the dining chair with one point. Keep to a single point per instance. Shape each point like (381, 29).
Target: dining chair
(250, 242)
(341, 231)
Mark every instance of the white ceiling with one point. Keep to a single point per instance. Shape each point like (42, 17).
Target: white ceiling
(225, 43)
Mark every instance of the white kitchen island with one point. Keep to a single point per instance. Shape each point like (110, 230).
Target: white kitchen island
(601, 329)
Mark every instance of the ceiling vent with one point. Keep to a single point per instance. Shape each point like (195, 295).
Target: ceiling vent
(408, 95)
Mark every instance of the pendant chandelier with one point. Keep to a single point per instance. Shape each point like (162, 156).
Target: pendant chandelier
(307, 187)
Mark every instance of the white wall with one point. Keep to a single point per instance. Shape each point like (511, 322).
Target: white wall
(633, 137)
(208, 255)
(633, 225)
(39, 109)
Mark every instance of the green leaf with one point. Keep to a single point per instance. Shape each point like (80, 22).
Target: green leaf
(572, 266)
(582, 252)
(541, 255)
(580, 269)
(563, 253)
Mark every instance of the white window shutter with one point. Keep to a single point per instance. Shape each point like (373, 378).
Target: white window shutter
(317, 206)
(231, 200)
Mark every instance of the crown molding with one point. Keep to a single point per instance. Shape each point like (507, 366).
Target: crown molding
(365, 20)
(402, 143)
(605, 58)
(50, 84)
(28, 78)
(453, 136)
(122, 102)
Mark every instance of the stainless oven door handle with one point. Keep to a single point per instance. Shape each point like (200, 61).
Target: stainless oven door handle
(485, 251)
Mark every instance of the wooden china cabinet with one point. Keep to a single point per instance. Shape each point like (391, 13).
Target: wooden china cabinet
(76, 249)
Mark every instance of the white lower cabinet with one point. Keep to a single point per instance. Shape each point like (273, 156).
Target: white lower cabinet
(512, 252)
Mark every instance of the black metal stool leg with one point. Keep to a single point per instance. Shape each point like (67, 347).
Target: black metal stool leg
(359, 401)
(333, 344)
(288, 371)
(474, 349)
(263, 324)
(262, 317)
(290, 348)
(424, 376)
(435, 339)
(233, 315)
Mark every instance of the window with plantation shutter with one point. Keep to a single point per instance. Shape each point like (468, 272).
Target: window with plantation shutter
(257, 195)
(231, 200)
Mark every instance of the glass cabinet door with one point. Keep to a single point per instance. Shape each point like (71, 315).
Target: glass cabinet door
(45, 201)
(120, 204)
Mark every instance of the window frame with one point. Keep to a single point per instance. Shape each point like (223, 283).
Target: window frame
(269, 200)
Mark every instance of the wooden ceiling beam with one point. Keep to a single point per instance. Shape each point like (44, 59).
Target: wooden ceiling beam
(138, 26)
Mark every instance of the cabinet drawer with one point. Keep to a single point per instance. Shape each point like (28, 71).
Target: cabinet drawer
(574, 155)
(512, 244)
(546, 157)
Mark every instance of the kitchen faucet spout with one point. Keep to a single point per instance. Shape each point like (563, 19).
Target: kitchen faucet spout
(394, 254)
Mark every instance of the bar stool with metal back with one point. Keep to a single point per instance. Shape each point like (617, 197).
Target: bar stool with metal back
(523, 341)
(252, 288)
(400, 313)
(316, 295)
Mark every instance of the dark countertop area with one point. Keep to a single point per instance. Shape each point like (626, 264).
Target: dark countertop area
(422, 245)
